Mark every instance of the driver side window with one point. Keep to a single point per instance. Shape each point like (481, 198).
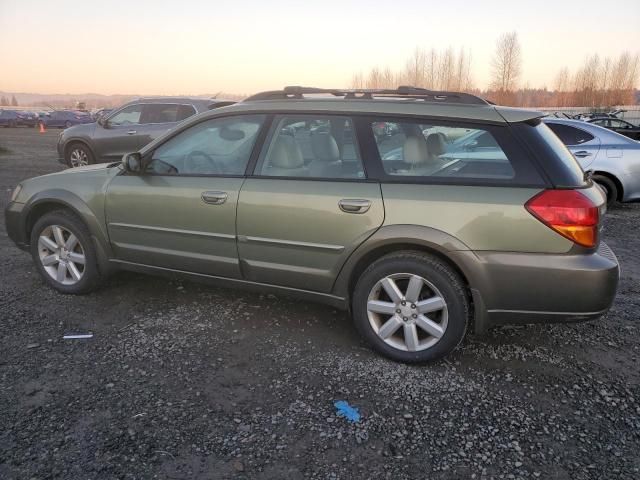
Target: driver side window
(127, 116)
(220, 146)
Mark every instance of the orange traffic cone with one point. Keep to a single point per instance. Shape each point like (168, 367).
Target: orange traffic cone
(42, 129)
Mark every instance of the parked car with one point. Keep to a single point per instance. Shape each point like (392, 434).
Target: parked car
(614, 159)
(27, 119)
(619, 126)
(418, 248)
(64, 119)
(127, 129)
(8, 118)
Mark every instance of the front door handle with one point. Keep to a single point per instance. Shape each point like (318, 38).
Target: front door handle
(214, 198)
(131, 132)
(354, 205)
(582, 154)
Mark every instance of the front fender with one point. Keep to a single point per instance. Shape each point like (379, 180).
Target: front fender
(47, 200)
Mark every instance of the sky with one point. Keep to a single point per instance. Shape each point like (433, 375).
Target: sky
(159, 47)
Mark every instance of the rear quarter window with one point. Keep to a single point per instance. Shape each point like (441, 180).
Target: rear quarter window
(553, 156)
(449, 152)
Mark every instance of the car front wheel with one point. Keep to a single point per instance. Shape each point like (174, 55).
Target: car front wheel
(78, 155)
(64, 255)
(411, 307)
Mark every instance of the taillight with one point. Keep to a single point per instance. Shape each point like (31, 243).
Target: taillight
(568, 212)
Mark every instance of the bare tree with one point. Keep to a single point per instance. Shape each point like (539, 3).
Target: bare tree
(414, 73)
(14, 101)
(561, 88)
(357, 81)
(506, 65)
(432, 66)
(4, 101)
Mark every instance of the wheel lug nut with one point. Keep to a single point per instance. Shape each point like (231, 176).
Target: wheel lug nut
(405, 318)
(404, 303)
(398, 311)
(414, 315)
(413, 305)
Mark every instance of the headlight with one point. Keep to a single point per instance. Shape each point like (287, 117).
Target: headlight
(15, 193)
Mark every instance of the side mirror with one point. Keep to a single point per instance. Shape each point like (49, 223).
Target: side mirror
(132, 162)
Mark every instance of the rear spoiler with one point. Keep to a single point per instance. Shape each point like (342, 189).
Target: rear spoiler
(515, 115)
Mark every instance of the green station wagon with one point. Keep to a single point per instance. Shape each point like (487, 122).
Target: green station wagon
(422, 213)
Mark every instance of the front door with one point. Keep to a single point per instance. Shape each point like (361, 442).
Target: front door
(180, 214)
(308, 205)
(121, 133)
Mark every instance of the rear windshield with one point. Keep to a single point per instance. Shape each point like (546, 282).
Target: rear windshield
(556, 159)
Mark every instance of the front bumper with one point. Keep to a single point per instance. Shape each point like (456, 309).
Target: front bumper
(516, 288)
(14, 222)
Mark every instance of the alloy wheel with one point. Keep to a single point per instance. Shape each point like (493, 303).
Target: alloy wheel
(78, 158)
(407, 312)
(61, 255)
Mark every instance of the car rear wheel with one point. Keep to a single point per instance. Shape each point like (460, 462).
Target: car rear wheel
(78, 155)
(64, 254)
(411, 307)
(609, 187)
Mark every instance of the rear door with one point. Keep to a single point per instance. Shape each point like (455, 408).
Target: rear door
(308, 204)
(584, 146)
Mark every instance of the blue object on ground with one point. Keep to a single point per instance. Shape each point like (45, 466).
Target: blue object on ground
(347, 411)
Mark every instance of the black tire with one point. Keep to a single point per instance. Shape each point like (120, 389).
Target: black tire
(610, 188)
(79, 146)
(441, 276)
(91, 277)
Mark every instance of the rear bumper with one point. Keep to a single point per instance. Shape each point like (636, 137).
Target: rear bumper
(513, 288)
(14, 223)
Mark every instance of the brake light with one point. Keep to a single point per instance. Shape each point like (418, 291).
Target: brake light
(568, 212)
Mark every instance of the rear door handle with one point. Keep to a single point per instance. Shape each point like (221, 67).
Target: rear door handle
(354, 205)
(214, 198)
(131, 132)
(582, 154)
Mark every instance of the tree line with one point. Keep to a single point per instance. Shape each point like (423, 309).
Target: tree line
(5, 102)
(600, 81)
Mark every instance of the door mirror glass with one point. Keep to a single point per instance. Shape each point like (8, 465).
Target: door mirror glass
(132, 162)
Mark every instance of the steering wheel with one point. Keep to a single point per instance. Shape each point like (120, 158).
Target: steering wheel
(194, 165)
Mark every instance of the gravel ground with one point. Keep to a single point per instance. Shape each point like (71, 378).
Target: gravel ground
(182, 381)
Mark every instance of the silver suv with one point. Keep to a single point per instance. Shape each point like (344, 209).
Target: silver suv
(128, 128)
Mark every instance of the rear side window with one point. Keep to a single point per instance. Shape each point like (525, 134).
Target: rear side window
(312, 146)
(442, 151)
(570, 135)
(165, 113)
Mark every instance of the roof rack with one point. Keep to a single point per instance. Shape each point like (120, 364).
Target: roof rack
(297, 92)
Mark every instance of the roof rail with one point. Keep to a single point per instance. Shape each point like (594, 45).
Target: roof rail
(297, 92)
